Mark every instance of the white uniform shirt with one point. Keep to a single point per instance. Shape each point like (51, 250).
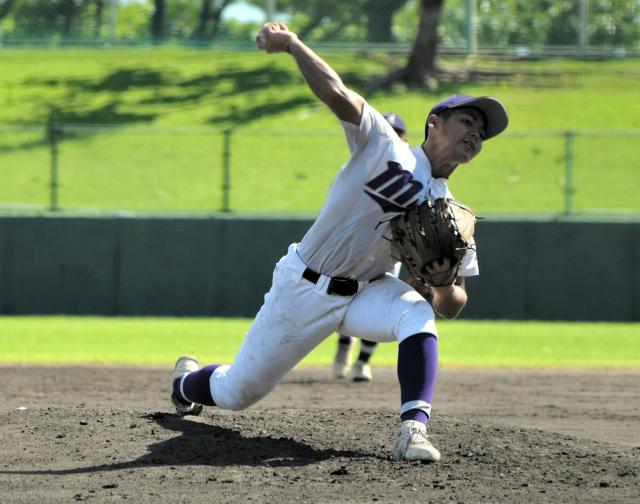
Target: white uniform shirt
(383, 177)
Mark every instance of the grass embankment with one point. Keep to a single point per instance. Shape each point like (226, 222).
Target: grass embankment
(287, 147)
(158, 341)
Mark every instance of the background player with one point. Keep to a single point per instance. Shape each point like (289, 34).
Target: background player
(361, 370)
(335, 279)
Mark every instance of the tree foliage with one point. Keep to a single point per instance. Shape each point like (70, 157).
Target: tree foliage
(556, 22)
(532, 23)
(5, 7)
(58, 19)
(326, 20)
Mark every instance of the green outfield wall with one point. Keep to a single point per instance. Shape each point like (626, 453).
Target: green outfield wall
(222, 265)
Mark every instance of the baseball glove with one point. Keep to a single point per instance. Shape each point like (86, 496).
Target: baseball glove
(431, 232)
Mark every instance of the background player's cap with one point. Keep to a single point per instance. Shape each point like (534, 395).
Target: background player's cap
(494, 112)
(396, 122)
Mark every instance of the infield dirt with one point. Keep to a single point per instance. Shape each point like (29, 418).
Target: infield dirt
(104, 434)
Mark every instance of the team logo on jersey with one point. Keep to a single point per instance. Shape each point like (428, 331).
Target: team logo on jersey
(394, 189)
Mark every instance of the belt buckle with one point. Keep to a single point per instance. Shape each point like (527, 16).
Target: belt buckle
(342, 286)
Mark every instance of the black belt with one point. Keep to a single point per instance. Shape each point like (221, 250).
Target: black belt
(337, 285)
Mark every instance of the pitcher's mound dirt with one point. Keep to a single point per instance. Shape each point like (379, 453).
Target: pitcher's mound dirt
(108, 434)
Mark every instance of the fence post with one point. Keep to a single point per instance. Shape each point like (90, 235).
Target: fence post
(583, 24)
(568, 171)
(471, 8)
(226, 169)
(54, 132)
(113, 20)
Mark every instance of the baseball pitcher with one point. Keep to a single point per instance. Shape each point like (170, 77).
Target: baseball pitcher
(388, 201)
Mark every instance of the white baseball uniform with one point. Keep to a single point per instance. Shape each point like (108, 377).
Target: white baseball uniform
(349, 239)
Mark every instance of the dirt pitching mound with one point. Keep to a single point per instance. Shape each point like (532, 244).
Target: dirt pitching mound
(111, 447)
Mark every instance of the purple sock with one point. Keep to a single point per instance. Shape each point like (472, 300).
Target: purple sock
(344, 340)
(366, 349)
(195, 387)
(417, 369)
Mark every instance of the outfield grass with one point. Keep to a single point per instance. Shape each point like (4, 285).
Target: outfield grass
(158, 341)
(287, 147)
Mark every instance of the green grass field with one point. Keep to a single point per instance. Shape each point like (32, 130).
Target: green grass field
(287, 147)
(158, 341)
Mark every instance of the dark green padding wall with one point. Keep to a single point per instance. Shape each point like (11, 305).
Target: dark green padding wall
(553, 270)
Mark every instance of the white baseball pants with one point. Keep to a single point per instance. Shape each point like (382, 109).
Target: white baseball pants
(298, 315)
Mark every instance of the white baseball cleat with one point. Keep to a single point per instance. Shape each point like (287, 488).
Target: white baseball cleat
(361, 372)
(184, 365)
(413, 443)
(342, 360)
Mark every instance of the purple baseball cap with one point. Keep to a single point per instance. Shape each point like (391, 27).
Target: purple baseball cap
(494, 112)
(395, 121)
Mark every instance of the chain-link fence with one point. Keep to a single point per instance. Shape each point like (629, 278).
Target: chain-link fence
(521, 27)
(69, 168)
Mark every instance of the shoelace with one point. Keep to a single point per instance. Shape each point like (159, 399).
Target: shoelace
(421, 435)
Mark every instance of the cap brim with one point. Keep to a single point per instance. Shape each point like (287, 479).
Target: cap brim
(495, 114)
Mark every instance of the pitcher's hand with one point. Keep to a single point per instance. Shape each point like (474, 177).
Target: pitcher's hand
(275, 37)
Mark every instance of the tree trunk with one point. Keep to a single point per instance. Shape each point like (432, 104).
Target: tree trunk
(68, 9)
(205, 12)
(157, 19)
(421, 67)
(216, 17)
(5, 8)
(97, 30)
(210, 15)
(380, 19)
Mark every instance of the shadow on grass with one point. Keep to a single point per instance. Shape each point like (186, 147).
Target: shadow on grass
(242, 80)
(119, 81)
(105, 114)
(36, 143)
(246, 116)
(208, 90)
(168, 88)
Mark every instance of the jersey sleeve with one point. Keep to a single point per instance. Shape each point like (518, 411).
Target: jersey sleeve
(360, 136)
(469, 266)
